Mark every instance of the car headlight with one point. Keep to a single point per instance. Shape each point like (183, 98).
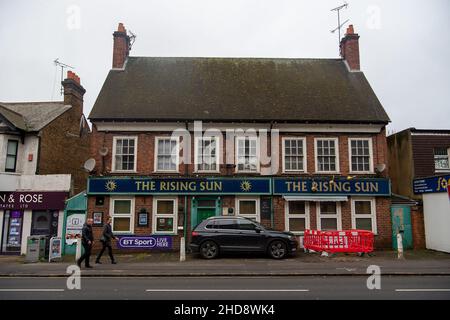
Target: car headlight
(292, 238)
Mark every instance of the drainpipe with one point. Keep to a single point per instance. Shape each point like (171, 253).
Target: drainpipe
(272, 218)
(186, 168)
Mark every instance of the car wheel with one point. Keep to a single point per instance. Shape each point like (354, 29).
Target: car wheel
(209, 250)
(277, 249)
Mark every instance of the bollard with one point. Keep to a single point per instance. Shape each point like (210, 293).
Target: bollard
(182, 250)
(78, 250)
(399, 246)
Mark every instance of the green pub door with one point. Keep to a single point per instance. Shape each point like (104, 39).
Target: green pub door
(203, 208)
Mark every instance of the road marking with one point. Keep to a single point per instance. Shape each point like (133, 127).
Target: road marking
(227, 290)
(422, 290)
(31, 290)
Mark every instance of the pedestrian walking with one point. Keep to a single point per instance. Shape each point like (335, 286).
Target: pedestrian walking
(87, 240)
(106, 240)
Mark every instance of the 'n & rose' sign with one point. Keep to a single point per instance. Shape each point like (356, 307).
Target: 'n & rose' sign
(32, 200)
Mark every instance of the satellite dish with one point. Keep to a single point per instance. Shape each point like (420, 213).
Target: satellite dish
(380, 167)
(103, 151)
(89, 165)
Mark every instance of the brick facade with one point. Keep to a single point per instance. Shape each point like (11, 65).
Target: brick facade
(146, 168)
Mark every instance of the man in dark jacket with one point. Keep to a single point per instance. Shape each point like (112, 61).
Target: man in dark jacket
(87, 240)
(106, 239)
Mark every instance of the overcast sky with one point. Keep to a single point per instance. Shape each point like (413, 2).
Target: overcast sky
(404, 45)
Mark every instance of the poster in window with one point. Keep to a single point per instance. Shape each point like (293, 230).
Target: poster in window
(98, 218)
(143, 219)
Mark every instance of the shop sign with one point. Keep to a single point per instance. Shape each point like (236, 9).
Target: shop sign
(338, 186)
(148, 242)
(431, 184)
(193, 186)
(32, 200)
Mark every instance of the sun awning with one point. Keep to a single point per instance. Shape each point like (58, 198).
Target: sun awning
(315, 198)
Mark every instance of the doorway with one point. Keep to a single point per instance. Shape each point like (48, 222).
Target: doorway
(44, 223)
(203, 208)
(401, 223)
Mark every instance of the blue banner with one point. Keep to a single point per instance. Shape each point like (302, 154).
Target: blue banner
(217, 186)
(338, 186)
(148, 242)
(431, 184)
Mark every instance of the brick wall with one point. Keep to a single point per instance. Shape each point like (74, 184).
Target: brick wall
(146, 156)
(63, 151)
(418, 227)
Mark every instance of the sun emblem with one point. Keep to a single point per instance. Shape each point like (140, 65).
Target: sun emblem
(111, 185)
(246, 186)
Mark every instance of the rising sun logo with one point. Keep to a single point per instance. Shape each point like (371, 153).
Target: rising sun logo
(111, 185)
(246, 186)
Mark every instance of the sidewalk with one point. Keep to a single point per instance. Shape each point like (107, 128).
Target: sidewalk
(167, 264)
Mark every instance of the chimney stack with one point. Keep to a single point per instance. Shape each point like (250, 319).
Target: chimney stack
(121, 47)
(73, 91)
(349, 48)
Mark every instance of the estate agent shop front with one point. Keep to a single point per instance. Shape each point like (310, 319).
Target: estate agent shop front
(153, 213)
(29, 213)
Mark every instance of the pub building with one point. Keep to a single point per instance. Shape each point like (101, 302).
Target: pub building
(292, 143)
(42, 148)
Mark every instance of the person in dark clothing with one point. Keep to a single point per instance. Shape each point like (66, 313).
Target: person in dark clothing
(87, 240)
(106, 239)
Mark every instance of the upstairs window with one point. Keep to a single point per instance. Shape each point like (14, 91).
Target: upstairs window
(11, 155)
(247, 154)
(360, 155)
(206, 154)
(441, 159)
(124, 156)
(294, 154)
(327, 155)
(167, 154)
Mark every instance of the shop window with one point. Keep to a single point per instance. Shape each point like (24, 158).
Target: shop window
(248, 208)
(327, 155)
(206, 154)
(164, 215)
(166, 154)
(11, 155)
(364, 214)
(361, 155)
(247, 154)
(122, 215)
(329, 215)
(297, 216)
(294, 151)
(441, 159)
(125, 153)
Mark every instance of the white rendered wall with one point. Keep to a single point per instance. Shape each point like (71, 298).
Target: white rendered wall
(436, 207)
(1, 223)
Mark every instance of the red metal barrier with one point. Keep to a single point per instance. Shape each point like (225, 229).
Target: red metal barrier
(339, 241)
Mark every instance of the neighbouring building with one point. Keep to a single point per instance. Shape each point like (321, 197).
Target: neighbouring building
(292, 143)
(420, 170)
(42, 149)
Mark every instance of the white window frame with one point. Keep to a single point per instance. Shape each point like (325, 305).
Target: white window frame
(283, 147)
(196, 145)
(316, 156)
(305, 216)
(370, 154)
(337, 215)
(177, 165)
(373, 214)
(236, 157)
(121, 215)
(448, 157)
(174, 215)
(115, 138)
(258, 213)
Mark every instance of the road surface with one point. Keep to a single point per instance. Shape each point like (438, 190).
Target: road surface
(233, 288)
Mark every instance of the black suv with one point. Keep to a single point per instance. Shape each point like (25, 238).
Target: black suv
(238, 234)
